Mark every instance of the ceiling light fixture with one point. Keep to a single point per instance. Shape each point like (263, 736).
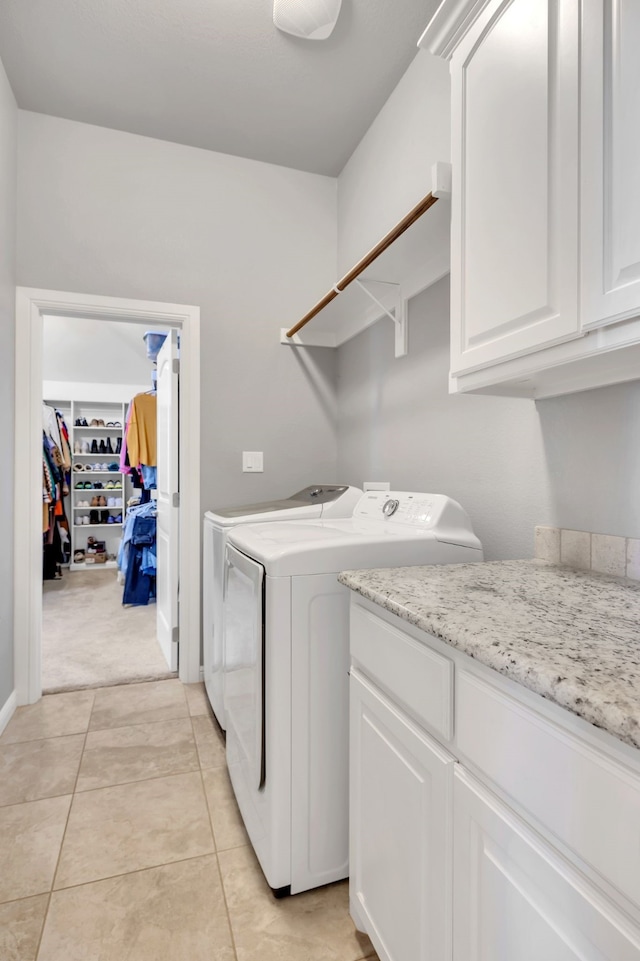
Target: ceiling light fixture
(310, 19)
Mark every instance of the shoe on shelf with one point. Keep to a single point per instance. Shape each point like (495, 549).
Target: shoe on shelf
(104, 467)
(79, 467)
(101, 447)
(86, 447)
(111, 502)
(102, 501)
(98, 485)
(109, 485)
(104, 517)
(78, 557)
(88, 485)
(94, 500)
(94, 446)
(117, 485)
(100, 423)
(108, 449)
(117, 519)
(93, 517)
(113, 466)
(118, 502)
(77, 447)
(94, 423)
(119, 445)
(80, 485)
(111, 520)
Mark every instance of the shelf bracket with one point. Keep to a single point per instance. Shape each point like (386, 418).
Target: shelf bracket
(398, 313)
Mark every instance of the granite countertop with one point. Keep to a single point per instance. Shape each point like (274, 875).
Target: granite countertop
(571, 636)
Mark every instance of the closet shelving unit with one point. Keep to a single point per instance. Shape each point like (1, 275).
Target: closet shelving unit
(109, 532)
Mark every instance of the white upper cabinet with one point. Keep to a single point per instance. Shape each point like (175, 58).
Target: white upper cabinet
(610, 161)
(515, 182)
(545, 234)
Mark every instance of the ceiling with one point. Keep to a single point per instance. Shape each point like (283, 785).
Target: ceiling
(212, 73)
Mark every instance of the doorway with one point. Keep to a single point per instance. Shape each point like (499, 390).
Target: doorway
(109, 607)
(32, 306)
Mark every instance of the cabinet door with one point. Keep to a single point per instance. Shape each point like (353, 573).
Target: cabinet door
(516, 899)
(400, 831)
(610, 161)
(514, 256)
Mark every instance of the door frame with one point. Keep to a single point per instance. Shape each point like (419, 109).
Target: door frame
(31, 305)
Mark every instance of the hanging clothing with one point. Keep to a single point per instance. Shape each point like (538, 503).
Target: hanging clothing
(56, 466)
(136, 557)
(142, 432)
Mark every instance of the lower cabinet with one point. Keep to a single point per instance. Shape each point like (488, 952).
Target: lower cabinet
(442, 868)
(516, 899)
(401, 783)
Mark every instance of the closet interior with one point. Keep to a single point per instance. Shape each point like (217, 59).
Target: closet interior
(99, 528)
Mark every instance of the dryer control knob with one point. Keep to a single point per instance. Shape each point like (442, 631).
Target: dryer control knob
(390, 507)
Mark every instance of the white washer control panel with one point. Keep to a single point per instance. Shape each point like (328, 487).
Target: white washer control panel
(403, 507)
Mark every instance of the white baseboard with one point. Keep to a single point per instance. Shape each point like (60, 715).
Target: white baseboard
(6, 711)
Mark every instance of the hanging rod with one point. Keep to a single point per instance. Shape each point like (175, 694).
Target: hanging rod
(367, 260)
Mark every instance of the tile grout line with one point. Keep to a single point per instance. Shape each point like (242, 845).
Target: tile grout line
(215, 845)
(125, 874)
(64, 834)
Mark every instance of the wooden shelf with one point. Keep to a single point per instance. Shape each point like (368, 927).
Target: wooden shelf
(411, 257)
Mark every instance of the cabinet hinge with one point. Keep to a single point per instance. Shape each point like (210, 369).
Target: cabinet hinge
(175, 499)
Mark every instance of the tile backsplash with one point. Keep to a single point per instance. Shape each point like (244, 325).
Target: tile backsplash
(604, 553)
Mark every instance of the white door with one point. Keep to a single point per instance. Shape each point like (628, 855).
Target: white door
(610, 161)
(514, 234)
(516, 899)
(168, 500)
(400, 819)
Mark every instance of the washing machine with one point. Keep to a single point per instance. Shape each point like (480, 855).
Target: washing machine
(286, 693)
(316, 501)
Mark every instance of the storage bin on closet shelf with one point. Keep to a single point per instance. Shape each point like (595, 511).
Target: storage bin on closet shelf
(154, 339)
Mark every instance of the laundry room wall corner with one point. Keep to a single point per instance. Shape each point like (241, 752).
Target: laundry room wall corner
(8, 174)
(248, 242)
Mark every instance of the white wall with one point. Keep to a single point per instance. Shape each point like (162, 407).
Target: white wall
(8, 137)
(399, 423)
(390, 169)
(101, 211)
(84, 350)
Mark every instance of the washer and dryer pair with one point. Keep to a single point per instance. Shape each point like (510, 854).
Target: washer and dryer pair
(285, 622)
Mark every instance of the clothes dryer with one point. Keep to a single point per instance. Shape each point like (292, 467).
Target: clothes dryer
(316, 501)
(286, 620)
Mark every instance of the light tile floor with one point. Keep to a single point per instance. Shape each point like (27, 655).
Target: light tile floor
(120, 838)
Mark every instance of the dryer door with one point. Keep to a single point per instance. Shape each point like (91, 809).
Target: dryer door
(243, 613)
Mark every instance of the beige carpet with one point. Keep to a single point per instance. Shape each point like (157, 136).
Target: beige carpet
(90, 640)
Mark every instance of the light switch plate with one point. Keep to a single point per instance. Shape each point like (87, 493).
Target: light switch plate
(252, 461)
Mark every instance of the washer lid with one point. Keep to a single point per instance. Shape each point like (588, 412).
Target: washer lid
(313, 501)
(422, 529)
